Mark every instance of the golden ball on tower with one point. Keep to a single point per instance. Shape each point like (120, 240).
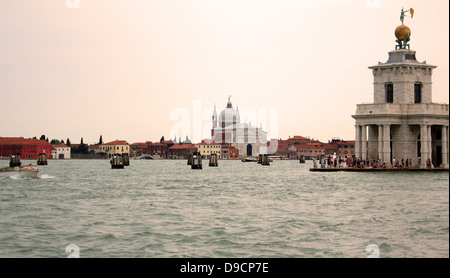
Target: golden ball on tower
(402, 31)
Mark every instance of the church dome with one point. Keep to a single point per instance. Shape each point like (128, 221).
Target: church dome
(229, 116)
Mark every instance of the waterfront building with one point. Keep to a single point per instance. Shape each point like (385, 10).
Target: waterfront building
(61, 151)
(342, 148)
(138, 148)
(206, 149)
(26, 148)
(311, 150)
(115, 147)
(286, 152)
(228, 152)
(403, 122)
(156, 149)
(94, 148)
(227, 128)
(181, 151)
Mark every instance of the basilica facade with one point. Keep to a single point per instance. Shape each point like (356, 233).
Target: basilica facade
(228, 128)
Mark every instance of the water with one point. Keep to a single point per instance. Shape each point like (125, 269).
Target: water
(165, 209)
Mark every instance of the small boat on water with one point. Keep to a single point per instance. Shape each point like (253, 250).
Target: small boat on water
(146, 157)
(249, 159)
(29, 171)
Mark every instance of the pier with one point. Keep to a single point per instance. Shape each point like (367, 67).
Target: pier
(364, 170)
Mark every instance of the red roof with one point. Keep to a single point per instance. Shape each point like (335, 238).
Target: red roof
(139, 144)
(117, 142)
(298, 138)
(61, 146)
(309, 146)
(22, 141)
(285, 150)
(204, 143)
(182, 146)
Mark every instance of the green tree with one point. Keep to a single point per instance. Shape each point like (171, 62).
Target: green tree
(100, 141)
(81, 142)
(55, 142)
(162, 139)
(42, 137)
(68, 142)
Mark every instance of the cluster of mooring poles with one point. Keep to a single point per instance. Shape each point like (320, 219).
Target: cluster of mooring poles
(119, 161)
(302, 159)
(263, 159)
(15, 160)
(42, 159)
(195, 160)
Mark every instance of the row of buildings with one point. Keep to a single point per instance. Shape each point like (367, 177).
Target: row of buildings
(299, 146)
(31, 148)
(292, 148)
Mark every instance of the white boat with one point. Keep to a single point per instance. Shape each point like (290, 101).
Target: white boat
(29, 171)
(249, 159)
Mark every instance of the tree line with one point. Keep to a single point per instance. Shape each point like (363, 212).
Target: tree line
(77, 148)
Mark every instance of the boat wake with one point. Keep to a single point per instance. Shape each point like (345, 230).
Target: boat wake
(44, 177)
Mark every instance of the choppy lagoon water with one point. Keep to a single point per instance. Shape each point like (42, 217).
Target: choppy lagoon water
(165, 209)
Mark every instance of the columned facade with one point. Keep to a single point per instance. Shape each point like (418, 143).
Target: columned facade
(364, 141)
(357, 140)
(387, 145)
(380, 141)
(403, 122)
(444, 131)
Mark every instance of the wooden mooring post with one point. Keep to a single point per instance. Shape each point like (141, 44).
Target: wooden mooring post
(126, 159)
(15, 160)
(213, 160)
(302, 159)
(196, 161)
(265, 160)
(117, 162)
(42, 159)
(260, 159)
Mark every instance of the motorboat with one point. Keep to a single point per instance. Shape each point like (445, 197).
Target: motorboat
(28, 171)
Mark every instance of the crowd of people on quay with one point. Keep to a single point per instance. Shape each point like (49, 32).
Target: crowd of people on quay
(359, 162)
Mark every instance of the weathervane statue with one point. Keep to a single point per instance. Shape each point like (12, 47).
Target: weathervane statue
(402, 32)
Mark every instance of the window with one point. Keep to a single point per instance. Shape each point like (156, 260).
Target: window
(389, 92)
(418, 93)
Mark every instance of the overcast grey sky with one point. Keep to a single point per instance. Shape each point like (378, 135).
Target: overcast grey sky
(119, 68)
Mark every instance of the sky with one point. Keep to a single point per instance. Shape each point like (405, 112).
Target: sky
(137, 70)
